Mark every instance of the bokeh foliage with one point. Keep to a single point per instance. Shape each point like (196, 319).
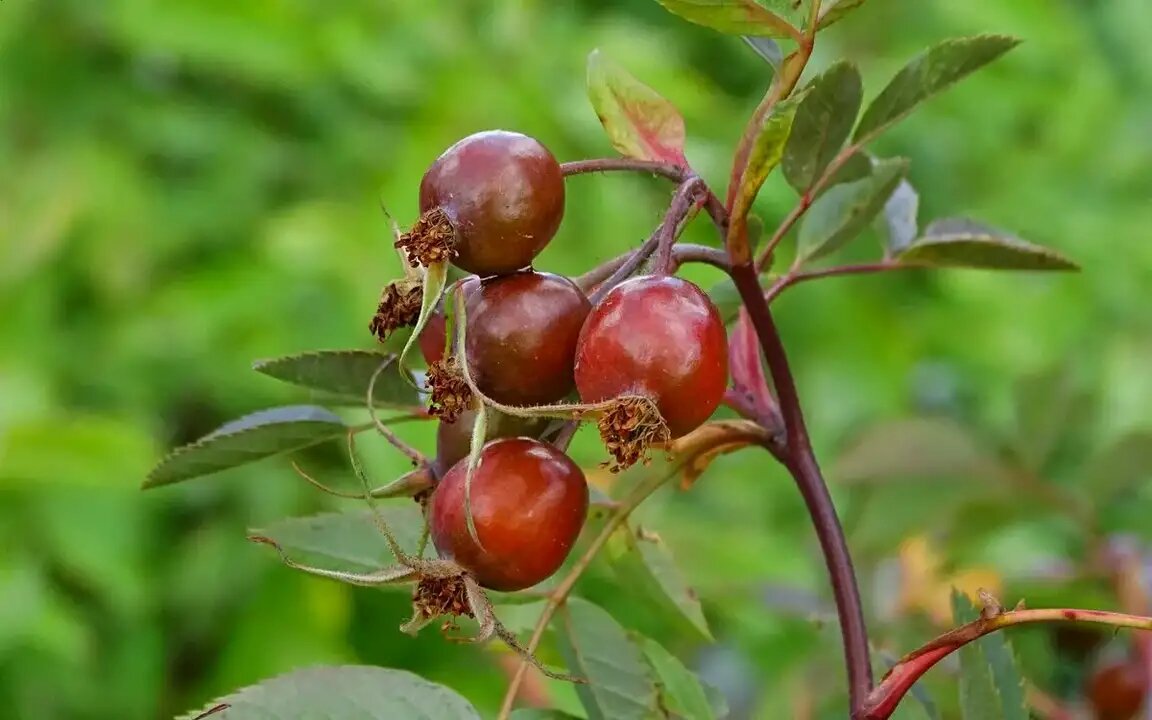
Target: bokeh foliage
(189, 186)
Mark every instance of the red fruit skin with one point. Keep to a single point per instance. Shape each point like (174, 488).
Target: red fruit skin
(1116, 691)
(529, 503)
(660, 337)
(522, 332)
(504, 193)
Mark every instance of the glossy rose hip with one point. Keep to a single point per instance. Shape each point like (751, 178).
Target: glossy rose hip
(529, 502)
(660, 337)
(504, 195)
(522, 332)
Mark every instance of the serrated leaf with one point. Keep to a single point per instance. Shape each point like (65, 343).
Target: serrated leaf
(639, 121)
(899, 224)
(681, 692)
(540, 714)
(835, 10)
(735, 17)
(843, 212)
(345, 375)
(765, 154)
(1005, 675)
(248, 439)
(914, 448)
(347, 541)
(991, 686)
(926, 75)
(823, 122)
(958, 242)
(766, 48)
(646, 565)
(342, 692)
(596, 648)
(978, 696)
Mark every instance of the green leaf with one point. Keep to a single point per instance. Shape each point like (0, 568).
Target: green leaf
(958, 242)
(835, 10)
(929, 73)
(646, 566)
(1005, 675)
(596, 647)
(766, 152)
(735, 17)
(248, 439)
(639, 121)
(822, 124)
(345, 374)
(845, 210)
(342, 692)
(539, 714)
(978, 696)
(347, 541)
(914, 448)
(1053, 408)
(680, 690)
(1124, 464)
(991, 686)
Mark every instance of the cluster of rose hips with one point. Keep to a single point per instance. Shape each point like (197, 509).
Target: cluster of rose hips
(646, 357)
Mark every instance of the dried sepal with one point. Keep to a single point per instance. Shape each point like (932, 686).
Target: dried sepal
(629, 429)
(399, 306)
(450, 394)
(430, 241)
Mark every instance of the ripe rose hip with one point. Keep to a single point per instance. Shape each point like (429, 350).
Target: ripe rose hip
(529, 502)
(1116, 691)
(502, 193)
(660, 337)
(521, 340)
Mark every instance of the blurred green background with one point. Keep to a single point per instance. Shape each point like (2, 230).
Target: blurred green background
(189, 185)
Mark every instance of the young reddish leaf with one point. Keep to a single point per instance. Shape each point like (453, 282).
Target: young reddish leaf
(640, 122)
(744, 365)
(344, 691)
(844, 211)
(959, 242)
(248, 439)
(735, 17)
(935, 70)
(823, 122)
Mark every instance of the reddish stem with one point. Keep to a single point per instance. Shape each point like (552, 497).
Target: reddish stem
(883, 700)
(801, 463)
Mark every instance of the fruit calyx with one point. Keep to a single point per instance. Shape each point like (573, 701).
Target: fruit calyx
(431, 240)
(399, 307)
(450, 393)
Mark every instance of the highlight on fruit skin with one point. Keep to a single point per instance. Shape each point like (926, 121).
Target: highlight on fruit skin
(489, 204)
(521, 337)
(529, 501)
(659, 337)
